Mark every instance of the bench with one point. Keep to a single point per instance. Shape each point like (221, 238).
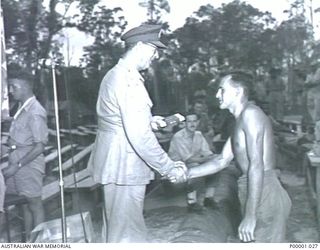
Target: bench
(53, 132)
(293, 122)
(50, 190)
(72, 131)
(86, 130)
(75, 159)
(53, 188)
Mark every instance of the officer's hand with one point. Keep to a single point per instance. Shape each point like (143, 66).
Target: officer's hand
(178, 174)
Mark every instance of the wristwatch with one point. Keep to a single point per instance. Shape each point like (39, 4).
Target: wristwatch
(19, 164)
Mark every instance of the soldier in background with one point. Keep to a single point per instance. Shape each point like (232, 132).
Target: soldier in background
(28, 136)
(275, 92)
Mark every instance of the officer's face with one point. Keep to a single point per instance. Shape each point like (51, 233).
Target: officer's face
(149, 52)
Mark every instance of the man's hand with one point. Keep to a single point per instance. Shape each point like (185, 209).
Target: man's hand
(178, 174)
(246, 229)
(156, 121)
(10, 170)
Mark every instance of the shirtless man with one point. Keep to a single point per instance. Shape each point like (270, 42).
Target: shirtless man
(265, 205)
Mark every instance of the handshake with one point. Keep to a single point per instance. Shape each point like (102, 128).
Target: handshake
(179, 173)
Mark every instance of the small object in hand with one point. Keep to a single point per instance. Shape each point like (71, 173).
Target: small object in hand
(171, 120)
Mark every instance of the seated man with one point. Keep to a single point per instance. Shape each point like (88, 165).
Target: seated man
(205, 124)
(27, 137)
(190, 146)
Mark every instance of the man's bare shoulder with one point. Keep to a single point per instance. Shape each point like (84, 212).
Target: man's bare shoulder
(253, 113)
(253, 110)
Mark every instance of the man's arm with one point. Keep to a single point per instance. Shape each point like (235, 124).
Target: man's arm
(13, 166)
(38, 127)
(254, 131)
(136, 118)
(215, 164)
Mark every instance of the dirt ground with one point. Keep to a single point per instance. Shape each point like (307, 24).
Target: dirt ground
(174, 224)
(168, 220)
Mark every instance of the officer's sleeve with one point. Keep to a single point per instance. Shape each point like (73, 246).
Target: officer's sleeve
(136, 118)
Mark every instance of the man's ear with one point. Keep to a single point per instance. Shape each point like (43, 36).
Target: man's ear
(239, 91)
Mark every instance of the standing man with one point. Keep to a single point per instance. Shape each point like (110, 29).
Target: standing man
(126, 150)
(265, 204)
(190, 146)
(28, 136)
(276, 97)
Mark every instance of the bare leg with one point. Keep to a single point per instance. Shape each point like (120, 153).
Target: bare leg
(33, 214)
(36, 208)
(27, 216)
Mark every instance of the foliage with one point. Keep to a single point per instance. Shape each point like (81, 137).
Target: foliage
(212, 41)
(155, 9)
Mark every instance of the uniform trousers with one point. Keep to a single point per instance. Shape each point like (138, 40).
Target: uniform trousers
(123, 215)
(273, 211)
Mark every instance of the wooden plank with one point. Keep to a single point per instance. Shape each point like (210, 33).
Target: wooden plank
(54, 155)
(54, 132)
(68, 164)
(94, 126)
(53, 188)
(72, 131)
(86, 130)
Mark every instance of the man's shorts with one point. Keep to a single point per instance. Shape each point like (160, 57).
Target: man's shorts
(27, 181)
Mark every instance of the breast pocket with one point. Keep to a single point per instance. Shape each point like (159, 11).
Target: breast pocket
(20, 131)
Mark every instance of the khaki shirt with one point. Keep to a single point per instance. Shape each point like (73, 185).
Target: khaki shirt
(183, 146)
(29, 127)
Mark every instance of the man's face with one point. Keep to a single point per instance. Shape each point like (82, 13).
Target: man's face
(198, 108)
(149, 52)
(226, 93)
(192, 123)
(17, 89)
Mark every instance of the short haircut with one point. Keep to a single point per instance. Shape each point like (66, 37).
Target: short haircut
(27, 78)
(191, 112)
(243, 80)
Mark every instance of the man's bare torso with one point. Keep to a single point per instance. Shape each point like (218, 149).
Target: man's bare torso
(240, 140)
